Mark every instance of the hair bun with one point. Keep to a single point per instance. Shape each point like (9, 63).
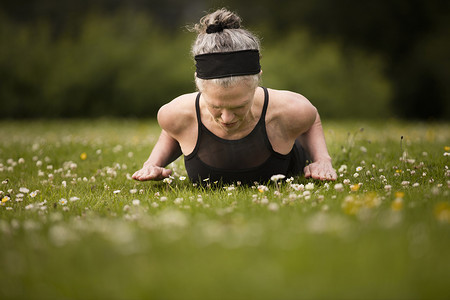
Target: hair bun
(218, 21)
(213, 28)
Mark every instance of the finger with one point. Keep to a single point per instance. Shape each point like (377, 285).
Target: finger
(307, 172)
(315, 172)
(166, 173)
(334, 176)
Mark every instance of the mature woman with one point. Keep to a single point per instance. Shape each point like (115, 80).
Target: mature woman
(233, 129)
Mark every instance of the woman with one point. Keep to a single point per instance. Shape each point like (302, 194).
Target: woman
(232, 129)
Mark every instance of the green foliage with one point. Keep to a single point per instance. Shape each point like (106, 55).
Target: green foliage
(121, 65)
(125, 65)
(89, 238)
(339, 83)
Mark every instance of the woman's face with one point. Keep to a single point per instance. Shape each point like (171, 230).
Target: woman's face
(230, 106)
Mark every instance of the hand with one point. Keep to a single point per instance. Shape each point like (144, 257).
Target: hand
(322, 170)
(150, 172)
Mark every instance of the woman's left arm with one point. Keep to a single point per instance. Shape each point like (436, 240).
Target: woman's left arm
(313, 140)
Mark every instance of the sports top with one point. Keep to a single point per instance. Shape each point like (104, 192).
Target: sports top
(248, 160)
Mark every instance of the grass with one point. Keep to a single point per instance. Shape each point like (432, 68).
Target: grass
(74, 226)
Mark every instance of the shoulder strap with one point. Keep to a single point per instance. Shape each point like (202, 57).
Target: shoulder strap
(266, 104)
(197, 111)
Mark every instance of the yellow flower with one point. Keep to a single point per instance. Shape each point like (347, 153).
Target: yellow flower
(397, 204)
(399, 195)
(398, 171)
(83, 156)
(354, 187)
(442, 212)
(351, 205)
(5, 199)
(447, 148)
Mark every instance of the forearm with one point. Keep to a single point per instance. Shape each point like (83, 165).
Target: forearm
(166, 150)
(313, 141)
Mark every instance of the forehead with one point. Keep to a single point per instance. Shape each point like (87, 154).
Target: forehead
(236, 95)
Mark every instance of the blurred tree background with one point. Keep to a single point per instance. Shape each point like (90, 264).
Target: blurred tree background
(351, 58)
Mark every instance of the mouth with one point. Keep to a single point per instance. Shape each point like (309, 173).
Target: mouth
(228, 125)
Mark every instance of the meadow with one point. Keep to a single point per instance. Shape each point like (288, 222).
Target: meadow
(74, 225)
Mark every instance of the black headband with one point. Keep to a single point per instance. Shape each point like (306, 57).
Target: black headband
(227, 64)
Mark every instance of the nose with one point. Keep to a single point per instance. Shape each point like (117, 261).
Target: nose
(227, 116)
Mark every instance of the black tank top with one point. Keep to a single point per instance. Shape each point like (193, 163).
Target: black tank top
(248, 160)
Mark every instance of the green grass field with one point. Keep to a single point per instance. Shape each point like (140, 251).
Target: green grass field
(73, 225)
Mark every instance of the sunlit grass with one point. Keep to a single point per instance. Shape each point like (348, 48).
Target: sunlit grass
(74, 225)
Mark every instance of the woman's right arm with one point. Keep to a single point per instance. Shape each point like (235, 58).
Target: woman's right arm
(166, 150)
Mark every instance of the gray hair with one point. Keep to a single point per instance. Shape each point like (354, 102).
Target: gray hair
(232, 38)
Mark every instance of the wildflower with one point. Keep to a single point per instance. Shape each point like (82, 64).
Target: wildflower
(34, 194)
(397, 204)
(442, 212)
(273, 206)
(346, 181)
(309, 186)
(363, 149)
(339, 187)
(446, 153)
(136, 202)
(73, 199)
(358, 169)
(387, 187)
(298, 187)
(21, 161)
(5, 199)
(155, 204)
(116, 192)
(447, 148)
(277, 193)
(275, 178)
(399, 194)
(354, 187)
(415, 184)
(24, 190)
(63, 201)
(182, 178)
(290, 179)
(9, 208)
(405, 183)
(133, 191)
(126, 207)
(356, 175)
(264, 201)
(178, 200)
(262, 188)
(342, 169)
(64, 184)
(163, 199)
(167, 180)
(38, 163)
(350, 206)
(5, 182)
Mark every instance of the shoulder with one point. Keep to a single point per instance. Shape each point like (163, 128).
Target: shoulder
(174, 116)
(292, 111)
